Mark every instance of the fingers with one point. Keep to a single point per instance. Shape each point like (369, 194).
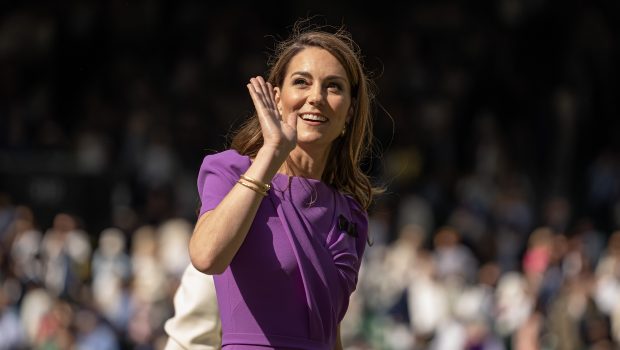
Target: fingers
(257, 93)
(264, 92)
(272, 95)
(263, 98)
(255, 98)
(275, 129)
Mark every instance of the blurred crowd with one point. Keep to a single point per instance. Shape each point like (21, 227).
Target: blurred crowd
(59, 291)
(496, 129)
(546, 289)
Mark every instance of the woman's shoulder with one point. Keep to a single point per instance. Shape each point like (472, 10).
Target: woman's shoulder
(227, 158)
(228, 163)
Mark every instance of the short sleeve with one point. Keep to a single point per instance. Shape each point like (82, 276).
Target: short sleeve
(359, 220)
(360, 217)
(347, 248)
(218, 174)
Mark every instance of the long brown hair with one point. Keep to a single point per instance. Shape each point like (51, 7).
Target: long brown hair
(342, 170)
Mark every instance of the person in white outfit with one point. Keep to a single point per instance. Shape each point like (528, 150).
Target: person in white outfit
(196, 321)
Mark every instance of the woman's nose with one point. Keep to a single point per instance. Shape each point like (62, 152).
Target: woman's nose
(316, 96)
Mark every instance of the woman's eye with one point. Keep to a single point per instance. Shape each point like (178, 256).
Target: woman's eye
(334, 86)
(299, 82)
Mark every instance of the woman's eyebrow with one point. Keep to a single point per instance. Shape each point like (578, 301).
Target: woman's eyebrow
(329, 77)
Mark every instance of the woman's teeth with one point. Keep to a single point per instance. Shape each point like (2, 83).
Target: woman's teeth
(313, 117)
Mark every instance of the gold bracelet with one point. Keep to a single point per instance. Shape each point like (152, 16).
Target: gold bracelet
(252, 187)
(263, 186)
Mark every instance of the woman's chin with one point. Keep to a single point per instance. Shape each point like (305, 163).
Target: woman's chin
(314, 137)
(318, 141)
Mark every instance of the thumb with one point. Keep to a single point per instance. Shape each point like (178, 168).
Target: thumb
(291, 119)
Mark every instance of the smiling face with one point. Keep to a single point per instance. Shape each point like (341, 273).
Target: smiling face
(317, 89)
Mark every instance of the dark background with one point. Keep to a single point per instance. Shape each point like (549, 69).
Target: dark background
(119, 76)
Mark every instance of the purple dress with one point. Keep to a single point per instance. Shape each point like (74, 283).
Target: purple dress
(289, 284)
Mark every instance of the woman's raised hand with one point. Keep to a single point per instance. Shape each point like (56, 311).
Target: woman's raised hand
(278, 132)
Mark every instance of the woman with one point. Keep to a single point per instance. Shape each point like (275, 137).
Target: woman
(283, 222)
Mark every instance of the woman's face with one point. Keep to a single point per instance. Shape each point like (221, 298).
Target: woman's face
(317, 89)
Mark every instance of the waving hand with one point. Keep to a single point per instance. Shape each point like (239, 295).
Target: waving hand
(278, 132)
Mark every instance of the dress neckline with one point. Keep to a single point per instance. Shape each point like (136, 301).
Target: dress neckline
(301, 178)
(309, 180)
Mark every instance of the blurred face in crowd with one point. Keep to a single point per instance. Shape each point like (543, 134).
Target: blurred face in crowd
(317, 89)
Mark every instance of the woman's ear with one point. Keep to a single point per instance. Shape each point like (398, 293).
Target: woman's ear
(277, 97)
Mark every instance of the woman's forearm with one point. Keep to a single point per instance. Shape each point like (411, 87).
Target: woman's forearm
(219, 233)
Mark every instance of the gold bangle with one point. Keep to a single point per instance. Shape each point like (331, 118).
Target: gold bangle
(263, 186)
(252, 187)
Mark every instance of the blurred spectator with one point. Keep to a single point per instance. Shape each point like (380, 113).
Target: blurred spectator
(11, 328)
(455, 263)
(36, 303)
(537, 257)
(428, 302)
(514, 304)
(173, 242)
(111, 273)
(94, 334)
(54, 329)
(66, 252)
(149, 279)
(25, 249)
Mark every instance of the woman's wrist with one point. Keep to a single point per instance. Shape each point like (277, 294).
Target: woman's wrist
(274, 154)
(266, 163)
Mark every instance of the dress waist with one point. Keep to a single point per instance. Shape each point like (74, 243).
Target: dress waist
(246, 341)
